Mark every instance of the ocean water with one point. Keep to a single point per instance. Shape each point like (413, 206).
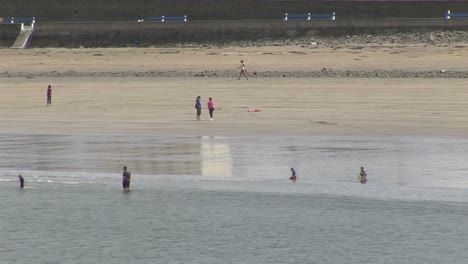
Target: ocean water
(229, 200)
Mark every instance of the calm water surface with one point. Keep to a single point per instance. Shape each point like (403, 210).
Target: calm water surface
(216, 199)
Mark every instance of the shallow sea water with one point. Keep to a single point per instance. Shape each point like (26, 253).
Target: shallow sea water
(218, 199)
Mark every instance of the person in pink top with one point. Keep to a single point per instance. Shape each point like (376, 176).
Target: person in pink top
(211, 107)
(49, 95)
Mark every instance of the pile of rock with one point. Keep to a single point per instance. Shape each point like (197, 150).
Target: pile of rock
(385, 39)
(324, 73)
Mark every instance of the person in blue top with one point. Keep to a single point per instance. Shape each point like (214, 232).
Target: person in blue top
(198, 106)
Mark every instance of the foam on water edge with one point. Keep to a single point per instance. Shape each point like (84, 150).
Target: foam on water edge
(45, 179)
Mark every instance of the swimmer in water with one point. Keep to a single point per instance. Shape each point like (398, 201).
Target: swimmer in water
(126, 179)
(362, 176)
(293, 175)
(21, 180)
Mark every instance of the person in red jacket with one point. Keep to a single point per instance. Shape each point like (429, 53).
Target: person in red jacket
(211, 107)
(49, 95)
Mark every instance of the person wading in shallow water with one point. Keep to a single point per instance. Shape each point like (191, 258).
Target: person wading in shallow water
(293, 175)
(21, 180)
(126, 179)
(362, 176)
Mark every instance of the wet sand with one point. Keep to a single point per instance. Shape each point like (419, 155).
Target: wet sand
(269, 58)
(289, 106)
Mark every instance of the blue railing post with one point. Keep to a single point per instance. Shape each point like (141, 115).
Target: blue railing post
(309, 16)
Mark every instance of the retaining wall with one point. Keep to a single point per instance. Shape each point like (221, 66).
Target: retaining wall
(104, 34)
(8, 34)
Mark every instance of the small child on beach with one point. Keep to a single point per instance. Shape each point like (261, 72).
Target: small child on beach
(198, 106)
(211, 107)
(49, 95)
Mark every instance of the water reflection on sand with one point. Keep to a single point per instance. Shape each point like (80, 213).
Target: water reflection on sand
(411, 160)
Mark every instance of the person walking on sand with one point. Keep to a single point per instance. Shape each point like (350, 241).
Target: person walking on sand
(211, 107)
(293, 175)
(198, 106)
(362, 176)
(21, 180)
(49, 95)
(243, 71)
(126, 179)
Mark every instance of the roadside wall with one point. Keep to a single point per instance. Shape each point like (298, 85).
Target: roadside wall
(130, 10)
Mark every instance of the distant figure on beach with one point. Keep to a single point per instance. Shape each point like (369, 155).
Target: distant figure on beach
(211, 107)
(49, 95)
(293, 175)
(21, 180)
(126, 179)
(362, 176)
(243, 71)
(198, 106)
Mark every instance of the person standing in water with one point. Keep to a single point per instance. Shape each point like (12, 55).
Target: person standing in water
(126, 179)
(293, 175)
(211, 107)
(243, 71)
(21, 180)
(49, 95)
(198, 106)
(362, 176)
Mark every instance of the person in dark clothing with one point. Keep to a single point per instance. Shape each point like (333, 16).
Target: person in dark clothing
(126, 179)
(21, 180)
(198, 106)
(293, 175)
(49, 95)
(362, 176)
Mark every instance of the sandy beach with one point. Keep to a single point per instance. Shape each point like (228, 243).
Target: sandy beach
(211, 191)
(289, 106)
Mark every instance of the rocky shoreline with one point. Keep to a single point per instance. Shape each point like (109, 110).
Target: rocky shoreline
(436, 38)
